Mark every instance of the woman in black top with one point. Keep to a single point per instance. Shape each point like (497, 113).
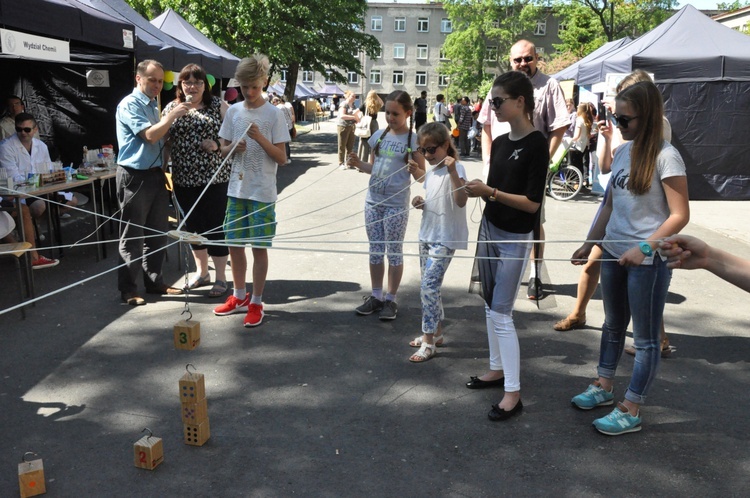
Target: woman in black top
(514, 192)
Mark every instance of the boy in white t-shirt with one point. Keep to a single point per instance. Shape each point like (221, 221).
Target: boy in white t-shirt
(251, 219)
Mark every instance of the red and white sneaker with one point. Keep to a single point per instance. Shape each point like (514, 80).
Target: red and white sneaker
(43, 262)
(254, 315)
(232, 306)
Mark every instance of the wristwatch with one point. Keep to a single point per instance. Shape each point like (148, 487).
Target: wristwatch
(494, 193)
(646, 249)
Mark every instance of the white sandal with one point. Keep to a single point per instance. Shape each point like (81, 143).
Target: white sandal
(425, 352)
(417, 341)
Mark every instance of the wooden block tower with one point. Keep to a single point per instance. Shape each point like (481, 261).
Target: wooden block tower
(195, 428)
(148, 451)
(31, 476)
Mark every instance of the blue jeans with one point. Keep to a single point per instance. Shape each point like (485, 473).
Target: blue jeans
(638, 292)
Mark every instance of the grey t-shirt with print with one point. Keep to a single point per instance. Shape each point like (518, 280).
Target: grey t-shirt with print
(636, 217)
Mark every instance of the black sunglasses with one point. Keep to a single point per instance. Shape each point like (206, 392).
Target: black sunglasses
(427, 150)
(496, 102)
(25, 130)
(526, 59)
(623, 121)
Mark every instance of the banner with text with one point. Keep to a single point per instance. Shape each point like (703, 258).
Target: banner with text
(34, 47)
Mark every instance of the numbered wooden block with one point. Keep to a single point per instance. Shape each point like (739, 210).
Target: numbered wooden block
(149, 452)
(192, 387)
(31, 478)
(195, 413)
(196, 435)
(187, 334)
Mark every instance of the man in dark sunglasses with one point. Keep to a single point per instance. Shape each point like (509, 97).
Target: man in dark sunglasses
(550, 117)
(19, 153)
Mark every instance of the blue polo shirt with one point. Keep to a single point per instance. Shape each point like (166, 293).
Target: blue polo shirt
(135, 113)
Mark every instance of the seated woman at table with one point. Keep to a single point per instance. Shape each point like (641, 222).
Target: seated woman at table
(196, 154)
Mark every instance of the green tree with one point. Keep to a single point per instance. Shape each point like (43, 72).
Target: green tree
(582, 34)
(737, 4)
(477, 25)
(591, 23)
(619, 18)
(316, 35)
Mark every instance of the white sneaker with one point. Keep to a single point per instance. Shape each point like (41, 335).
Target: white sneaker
(288, 161)
(342, 166)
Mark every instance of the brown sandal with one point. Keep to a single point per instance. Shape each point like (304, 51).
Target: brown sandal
(569, 323)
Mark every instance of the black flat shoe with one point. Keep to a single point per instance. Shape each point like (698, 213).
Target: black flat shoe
(477, 383)
(497, 414)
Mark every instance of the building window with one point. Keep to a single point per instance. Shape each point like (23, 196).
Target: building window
(283, 75)
(379, 53)
(561, 28)
(399, 50)
(376, 23)
(443, 57)
(446, 25)
(422, 51)
(329, 74)
(399, 24)
(423, 25)
(541, 28)
(353, 78)
(398, 77)
(421, 78)
(443, 80)
(491, 53)
(496, 23)
(307, 76)
(375, 77)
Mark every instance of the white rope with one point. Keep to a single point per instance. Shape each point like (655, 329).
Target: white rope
(74, 284)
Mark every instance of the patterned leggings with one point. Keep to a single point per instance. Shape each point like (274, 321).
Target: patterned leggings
(386, 228)
(433, 261)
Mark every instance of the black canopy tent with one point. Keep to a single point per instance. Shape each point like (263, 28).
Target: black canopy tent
(151, 43)
(703, 71)
(70, 113)
(175, 25)
(65, 19)
(571, 72)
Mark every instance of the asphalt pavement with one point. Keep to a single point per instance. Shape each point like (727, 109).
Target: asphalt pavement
(318, 401)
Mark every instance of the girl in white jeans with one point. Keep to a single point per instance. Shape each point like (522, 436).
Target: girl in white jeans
(514, 192)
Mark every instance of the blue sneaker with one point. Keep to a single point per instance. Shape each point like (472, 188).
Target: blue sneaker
(618, 422)
(594, 396)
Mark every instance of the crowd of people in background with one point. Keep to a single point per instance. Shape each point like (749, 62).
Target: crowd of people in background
(515, 129)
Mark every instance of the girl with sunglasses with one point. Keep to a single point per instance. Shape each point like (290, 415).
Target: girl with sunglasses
(514, 194)
(589, 279)
(443, 230)
(392, 161)
(647, 201)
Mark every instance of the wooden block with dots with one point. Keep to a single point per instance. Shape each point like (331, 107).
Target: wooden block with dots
(196, 434)
(192, 387)
(195, 413)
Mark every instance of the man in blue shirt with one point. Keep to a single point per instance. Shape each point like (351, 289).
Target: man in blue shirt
(141, 190)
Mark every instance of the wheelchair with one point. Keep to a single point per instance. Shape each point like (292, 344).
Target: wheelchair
(564, 181)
